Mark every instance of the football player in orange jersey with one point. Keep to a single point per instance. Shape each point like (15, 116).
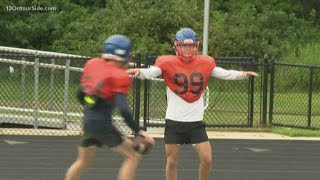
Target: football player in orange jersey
(186, 76)
(104, 85)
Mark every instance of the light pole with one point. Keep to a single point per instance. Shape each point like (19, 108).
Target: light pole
(205, 27)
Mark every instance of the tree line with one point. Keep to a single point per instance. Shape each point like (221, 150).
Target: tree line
(236, 28)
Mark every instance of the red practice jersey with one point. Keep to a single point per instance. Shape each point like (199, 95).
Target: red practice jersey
(104, 79)
(187, 80)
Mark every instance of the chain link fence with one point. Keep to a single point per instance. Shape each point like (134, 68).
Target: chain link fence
(295, 95)
(38, 95)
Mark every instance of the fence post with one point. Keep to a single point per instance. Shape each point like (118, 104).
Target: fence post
(51, 95)
(137, 93)
(265, 91)
(310, 96)
(23, 84)
(36, 93)
(152, 99)
(251, 96)
(271, 98)
(146, 95)
(66, 91)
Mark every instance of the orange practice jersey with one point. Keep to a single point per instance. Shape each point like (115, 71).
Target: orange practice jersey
(187, 80)
(104, 79)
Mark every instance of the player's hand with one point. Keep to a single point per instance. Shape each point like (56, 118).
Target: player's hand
(133, 71)
(247, 74)
(147, 136)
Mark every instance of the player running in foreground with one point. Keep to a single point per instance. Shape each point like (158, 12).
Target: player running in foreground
(104, 85)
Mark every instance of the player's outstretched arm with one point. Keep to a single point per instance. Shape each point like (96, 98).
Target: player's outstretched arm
(145, 73)
(133, 72)
(247, 74)
(221, 73)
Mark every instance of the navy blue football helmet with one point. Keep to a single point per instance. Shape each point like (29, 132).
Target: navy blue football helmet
(117, 47)
(186, 43)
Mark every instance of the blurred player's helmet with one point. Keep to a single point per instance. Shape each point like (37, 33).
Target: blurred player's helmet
(117, 47)
(186, 37)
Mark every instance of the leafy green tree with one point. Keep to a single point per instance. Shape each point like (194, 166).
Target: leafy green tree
(237, 28)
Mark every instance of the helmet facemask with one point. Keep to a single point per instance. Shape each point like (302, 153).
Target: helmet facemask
(186, 49)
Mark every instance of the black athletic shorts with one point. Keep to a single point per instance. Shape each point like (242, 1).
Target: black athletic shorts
(98, 127)
(184, 132)
(110, 139)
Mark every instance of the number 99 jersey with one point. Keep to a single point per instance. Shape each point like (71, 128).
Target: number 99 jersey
(187, 80)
